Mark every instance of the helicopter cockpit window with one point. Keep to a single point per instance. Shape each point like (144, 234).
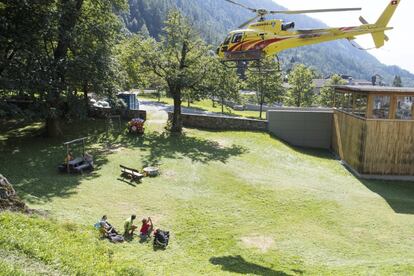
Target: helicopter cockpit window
(227, 40)
(237, 38)
(288, 26)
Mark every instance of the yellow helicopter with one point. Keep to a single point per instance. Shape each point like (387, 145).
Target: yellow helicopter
(268, 37)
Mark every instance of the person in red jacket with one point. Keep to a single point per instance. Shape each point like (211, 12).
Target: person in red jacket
(146, 228)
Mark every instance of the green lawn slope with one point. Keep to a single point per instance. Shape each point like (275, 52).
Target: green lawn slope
(235, 202)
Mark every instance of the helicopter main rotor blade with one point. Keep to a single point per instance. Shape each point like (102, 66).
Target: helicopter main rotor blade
(241, 5)
(315, 11)
(249, 21)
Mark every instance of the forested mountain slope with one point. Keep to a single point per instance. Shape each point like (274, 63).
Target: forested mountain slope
(214, 18)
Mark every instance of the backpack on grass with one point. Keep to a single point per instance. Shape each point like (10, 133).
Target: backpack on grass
(116, 238)
(161, 238)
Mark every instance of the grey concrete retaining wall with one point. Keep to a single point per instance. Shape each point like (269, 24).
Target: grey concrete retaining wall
(303, 128)
(217, 122)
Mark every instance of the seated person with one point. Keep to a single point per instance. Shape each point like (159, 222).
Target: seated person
(146, 228)
(69, 157)
(106, 228)
(129, 226)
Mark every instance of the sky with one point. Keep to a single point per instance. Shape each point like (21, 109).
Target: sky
(397, 51)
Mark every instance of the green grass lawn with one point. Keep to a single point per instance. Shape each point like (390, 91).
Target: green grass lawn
(235, 202)
(207, 105)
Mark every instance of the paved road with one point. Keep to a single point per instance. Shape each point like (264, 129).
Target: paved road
(156, 106)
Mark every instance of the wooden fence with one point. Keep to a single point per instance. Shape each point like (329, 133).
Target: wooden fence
(389, 147)
(349, 138)
(376, 147)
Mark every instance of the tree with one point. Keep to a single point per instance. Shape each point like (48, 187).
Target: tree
(131, 59)
(180, 59)
(221, 83)
(300, 92)
(52, 46)
(327, 94)
(397, 82)
(92, 66)
(266, 80)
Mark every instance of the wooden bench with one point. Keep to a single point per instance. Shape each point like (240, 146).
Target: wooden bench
(130, 173)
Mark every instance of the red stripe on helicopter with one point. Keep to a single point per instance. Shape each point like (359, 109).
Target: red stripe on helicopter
(263, 44)
(234, 46)
(246, 45)
(395, 2)
(346, 28)
(240, 45)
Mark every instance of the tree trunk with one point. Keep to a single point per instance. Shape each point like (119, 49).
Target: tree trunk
(222, 105)
(299, 99)
(52, 124)
(261, 110)
(261, 104)
(213, 103)
(177, 124)
(188, 102)
(85, 98)
(70, 11)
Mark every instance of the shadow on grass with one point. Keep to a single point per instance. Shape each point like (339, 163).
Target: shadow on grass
(30, 161)
(399, 195)
(237, 264)
(320, 153)
(178, 146)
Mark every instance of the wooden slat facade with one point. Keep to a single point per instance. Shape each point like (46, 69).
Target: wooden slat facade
(389, 147)
(349, 138)
(376, 147)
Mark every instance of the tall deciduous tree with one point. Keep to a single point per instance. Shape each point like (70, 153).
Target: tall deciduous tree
(43, 41)
(327, 95)
(180, 59)
(221, 83)
(266, 80)
(300, 92)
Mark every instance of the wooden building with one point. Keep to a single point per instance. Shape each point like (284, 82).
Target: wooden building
(373, 130)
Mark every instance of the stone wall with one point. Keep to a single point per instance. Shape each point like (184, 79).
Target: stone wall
(125, 114)
(217, 122)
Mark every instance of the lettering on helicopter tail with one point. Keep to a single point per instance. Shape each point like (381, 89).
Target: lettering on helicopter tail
(310, 35)
(244, 55)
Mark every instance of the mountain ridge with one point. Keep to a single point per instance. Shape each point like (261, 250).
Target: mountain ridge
(214, 18)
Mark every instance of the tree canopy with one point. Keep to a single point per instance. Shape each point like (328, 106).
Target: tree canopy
(327, 94)
(180, 59)
(54, 47)
(266, 80)
(300, 92)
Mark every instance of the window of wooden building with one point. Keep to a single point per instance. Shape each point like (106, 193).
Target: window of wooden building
(381, 108)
